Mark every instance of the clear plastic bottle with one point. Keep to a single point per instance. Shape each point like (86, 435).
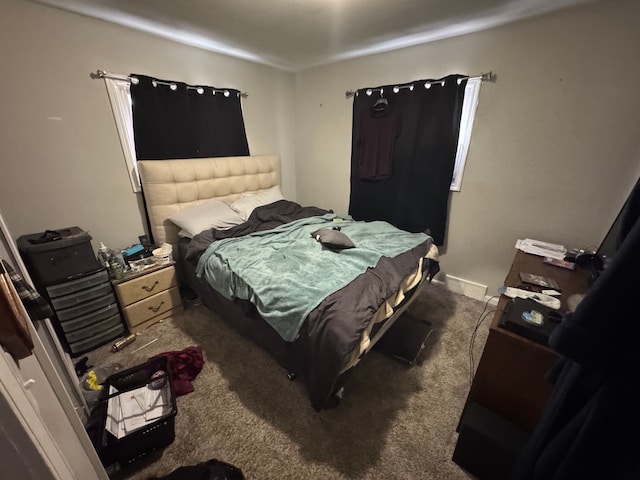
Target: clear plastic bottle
(104, 255)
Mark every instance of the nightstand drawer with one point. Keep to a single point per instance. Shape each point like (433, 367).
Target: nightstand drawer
(154, 306)
(146, 286)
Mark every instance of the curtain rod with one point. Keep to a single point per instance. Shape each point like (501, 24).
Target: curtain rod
(485, 77)
(119, 76)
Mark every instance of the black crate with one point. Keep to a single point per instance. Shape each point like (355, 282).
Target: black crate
(141, 442)
(68, 256)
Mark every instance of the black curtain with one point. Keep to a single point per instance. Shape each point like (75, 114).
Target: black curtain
(181, 122)
(403, 154)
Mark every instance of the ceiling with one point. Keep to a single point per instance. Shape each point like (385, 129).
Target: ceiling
(298, 34)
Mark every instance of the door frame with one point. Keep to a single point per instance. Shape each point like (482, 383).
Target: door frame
(75, 457)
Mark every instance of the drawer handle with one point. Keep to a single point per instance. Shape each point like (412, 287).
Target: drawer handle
(155, 309)
(148, 289)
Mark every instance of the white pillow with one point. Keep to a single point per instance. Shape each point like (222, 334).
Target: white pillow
(247, 202)
(210, 214)
(184, 234)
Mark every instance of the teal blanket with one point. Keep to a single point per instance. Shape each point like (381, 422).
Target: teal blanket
(285, 273)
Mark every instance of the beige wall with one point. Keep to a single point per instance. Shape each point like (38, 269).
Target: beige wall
(553, 153)
(69, 171)
(555, 146)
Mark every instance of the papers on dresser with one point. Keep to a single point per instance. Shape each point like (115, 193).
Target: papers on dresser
(135, 409)
(543, 249)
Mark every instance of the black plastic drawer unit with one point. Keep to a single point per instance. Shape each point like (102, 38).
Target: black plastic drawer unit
(65, 270)
(87, 317)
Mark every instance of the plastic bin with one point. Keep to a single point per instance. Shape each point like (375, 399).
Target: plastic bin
(139, 443)
(58, 260)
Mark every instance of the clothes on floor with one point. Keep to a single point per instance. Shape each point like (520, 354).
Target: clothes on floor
(185, 366)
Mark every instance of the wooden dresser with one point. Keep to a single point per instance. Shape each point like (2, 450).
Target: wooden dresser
(149, 296)
(510, 379)
(509, 390)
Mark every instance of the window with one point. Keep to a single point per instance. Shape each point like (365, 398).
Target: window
(120, 98)
(469, 105)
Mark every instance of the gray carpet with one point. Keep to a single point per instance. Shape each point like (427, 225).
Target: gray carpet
(396, 421)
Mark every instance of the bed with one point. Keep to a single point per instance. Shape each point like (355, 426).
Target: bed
(319, 314)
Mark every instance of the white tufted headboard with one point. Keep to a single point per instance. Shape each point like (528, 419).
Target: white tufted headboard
(173, 185)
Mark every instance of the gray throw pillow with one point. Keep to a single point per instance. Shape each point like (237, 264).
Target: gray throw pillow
(332, 238)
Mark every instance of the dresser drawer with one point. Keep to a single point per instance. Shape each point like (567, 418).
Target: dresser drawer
(143, 287)
(91, 306)
(95, 329)
(77, 285)
(83, 296)
(154, 306)
(89, 319)
(94, 341)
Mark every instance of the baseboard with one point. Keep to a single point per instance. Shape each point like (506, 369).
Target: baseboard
(464, 287)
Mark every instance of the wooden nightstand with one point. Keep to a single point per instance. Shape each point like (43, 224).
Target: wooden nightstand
(149, 296)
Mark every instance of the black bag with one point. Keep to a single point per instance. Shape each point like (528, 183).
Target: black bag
(210, 470)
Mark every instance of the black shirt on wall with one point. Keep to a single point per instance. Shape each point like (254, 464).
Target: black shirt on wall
(378, 132)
